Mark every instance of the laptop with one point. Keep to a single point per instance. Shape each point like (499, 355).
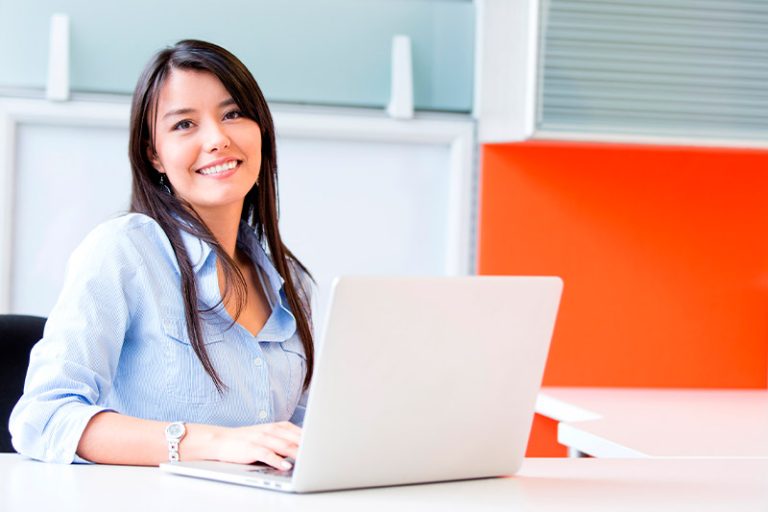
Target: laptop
(417, 379)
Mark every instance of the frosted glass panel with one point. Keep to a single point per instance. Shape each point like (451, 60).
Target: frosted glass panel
(301, 51)
(364, 208)
(347, 207)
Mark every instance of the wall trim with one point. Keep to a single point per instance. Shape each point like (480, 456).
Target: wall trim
(653, 140)
(506, 69)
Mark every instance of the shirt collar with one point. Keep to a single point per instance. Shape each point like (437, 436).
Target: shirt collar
(198, 251)
(249, 242)
(281, 324)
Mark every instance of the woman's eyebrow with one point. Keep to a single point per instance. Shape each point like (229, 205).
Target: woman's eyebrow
(178, 112)
(184, 111)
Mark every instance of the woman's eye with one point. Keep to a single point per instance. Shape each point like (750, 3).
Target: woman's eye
(183, 125)
(234, 114)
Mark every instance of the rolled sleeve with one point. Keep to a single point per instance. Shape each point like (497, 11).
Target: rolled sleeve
(72, 368)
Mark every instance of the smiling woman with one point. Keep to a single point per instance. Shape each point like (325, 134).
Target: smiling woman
(208, 149)
(183, 329)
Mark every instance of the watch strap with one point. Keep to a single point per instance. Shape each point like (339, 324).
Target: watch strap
(174, 433)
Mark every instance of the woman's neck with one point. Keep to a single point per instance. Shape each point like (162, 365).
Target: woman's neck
(224, 224)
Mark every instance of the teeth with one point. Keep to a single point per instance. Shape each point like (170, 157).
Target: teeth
(218, 168)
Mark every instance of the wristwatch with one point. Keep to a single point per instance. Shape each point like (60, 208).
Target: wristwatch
(174, 433)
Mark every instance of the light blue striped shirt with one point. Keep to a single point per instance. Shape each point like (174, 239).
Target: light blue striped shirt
(117, 340)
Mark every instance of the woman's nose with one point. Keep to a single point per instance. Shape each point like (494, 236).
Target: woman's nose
(215, 138)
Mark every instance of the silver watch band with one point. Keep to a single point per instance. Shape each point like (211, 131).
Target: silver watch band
(173, 451)
(174, 433)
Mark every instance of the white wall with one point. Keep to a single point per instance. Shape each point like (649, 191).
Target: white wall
(359, 193)
(68, 179)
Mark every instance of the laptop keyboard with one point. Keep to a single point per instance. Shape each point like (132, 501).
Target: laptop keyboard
(268, 470)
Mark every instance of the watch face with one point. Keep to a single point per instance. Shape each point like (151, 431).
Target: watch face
(175, 430)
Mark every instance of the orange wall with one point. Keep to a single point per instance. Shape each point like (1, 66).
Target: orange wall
(663, 251)
(543, 440)
(664, 254)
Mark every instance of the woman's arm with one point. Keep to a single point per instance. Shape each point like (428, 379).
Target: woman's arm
(75, 362)
(113, 438)
(62, 414)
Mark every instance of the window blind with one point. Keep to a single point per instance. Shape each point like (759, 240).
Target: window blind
(681, 68)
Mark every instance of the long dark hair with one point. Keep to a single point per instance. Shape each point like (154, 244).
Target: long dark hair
(260, 209)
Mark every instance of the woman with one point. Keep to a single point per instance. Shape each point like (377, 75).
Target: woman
(177, 335)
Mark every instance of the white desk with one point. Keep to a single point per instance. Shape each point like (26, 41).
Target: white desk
(543, 485)
(611, 422)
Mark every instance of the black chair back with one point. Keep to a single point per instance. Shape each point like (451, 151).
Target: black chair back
(17, 335)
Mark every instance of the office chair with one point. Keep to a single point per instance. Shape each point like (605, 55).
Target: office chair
(17, 335)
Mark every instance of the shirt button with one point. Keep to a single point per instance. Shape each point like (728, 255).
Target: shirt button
(258, 361)
(263, 415)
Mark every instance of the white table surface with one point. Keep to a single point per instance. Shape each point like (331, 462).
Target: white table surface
(543, 485)
(613, 422)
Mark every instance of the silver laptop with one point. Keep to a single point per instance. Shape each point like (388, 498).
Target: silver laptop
(416, 380)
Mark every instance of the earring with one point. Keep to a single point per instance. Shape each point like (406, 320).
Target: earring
(164, 186)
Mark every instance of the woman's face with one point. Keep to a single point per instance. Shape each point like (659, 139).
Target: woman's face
(209, 151)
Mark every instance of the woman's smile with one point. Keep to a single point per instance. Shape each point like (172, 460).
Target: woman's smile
(220, 170)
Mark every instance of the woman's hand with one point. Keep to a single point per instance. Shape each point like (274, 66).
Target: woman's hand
(269, 443)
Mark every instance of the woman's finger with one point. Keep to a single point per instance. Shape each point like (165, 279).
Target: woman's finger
(269, 457)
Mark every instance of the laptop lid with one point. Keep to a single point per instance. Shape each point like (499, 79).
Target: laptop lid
(425, 379)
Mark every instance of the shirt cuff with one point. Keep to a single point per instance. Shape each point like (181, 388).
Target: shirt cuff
(66, 450)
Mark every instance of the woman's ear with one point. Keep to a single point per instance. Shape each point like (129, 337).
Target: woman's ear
(154, 159)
